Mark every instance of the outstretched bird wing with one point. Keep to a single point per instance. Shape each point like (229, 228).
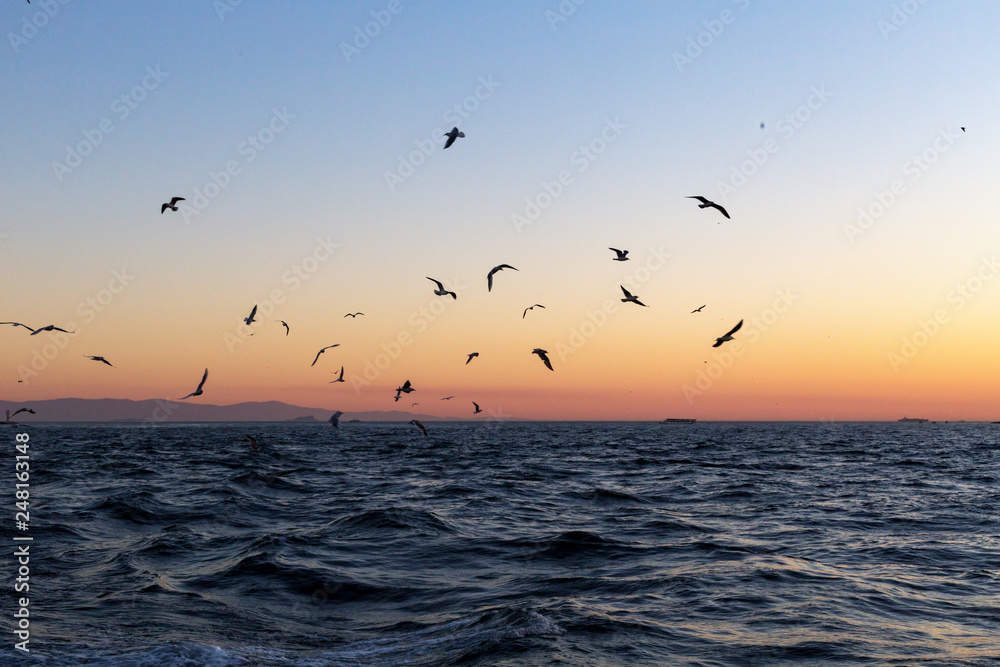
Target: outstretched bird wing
(735, 329)
(203, 378)
(321, 352)
(489, 276)
(197, 392)
(18, 324)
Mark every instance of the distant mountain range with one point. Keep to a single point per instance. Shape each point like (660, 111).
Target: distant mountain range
(164, 411)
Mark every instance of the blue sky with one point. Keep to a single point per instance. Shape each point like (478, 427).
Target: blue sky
(546, 88)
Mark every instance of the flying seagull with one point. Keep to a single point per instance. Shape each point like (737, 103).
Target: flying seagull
(172, 205)
(728, 336)
(447, 398)
(353, 314)
(472, 355)
(285, 324)
(249, 319)
(698, 310)
(99, 359)
(335, 419)
(419, 425)
(962, 128)
(621, 255)
(341, 378)
(50, 327)
(321, 352)
(705, 203)
(198, 392)
(454, 134)
(405, 389)
(630, 298)
(19, 411)
(414, 403)
(441, 291)
(542, 354)
(489, 276)
(18, 324)
(477, 408)
(254, 447)
(537, 305)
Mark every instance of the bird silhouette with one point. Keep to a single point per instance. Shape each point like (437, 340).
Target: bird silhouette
(630, 298)
(198, 392)
(543, 355)
(729, 336)
(441, 291)
(454, 134)
(50, 327)
(321, 352)
(172, 204)
(705, 203)
(489, 276)
(537, 305)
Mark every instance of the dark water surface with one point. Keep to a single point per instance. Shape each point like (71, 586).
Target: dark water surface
(512, 544)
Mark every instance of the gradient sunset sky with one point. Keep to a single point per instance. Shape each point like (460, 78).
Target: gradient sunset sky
(862, 253)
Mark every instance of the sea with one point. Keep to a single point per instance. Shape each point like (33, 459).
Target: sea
(506, 543)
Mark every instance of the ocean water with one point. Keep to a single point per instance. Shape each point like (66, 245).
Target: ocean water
(511, 544)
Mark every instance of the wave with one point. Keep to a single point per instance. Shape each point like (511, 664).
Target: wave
(397, 518)
(449, 643)
(601, 494)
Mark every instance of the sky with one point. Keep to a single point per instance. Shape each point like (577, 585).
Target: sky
(307, 141)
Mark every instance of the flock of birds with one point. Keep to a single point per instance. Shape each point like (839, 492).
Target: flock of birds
(439, 290)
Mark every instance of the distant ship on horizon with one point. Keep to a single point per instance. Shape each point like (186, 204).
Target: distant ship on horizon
(913, 419)
(678, 421)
